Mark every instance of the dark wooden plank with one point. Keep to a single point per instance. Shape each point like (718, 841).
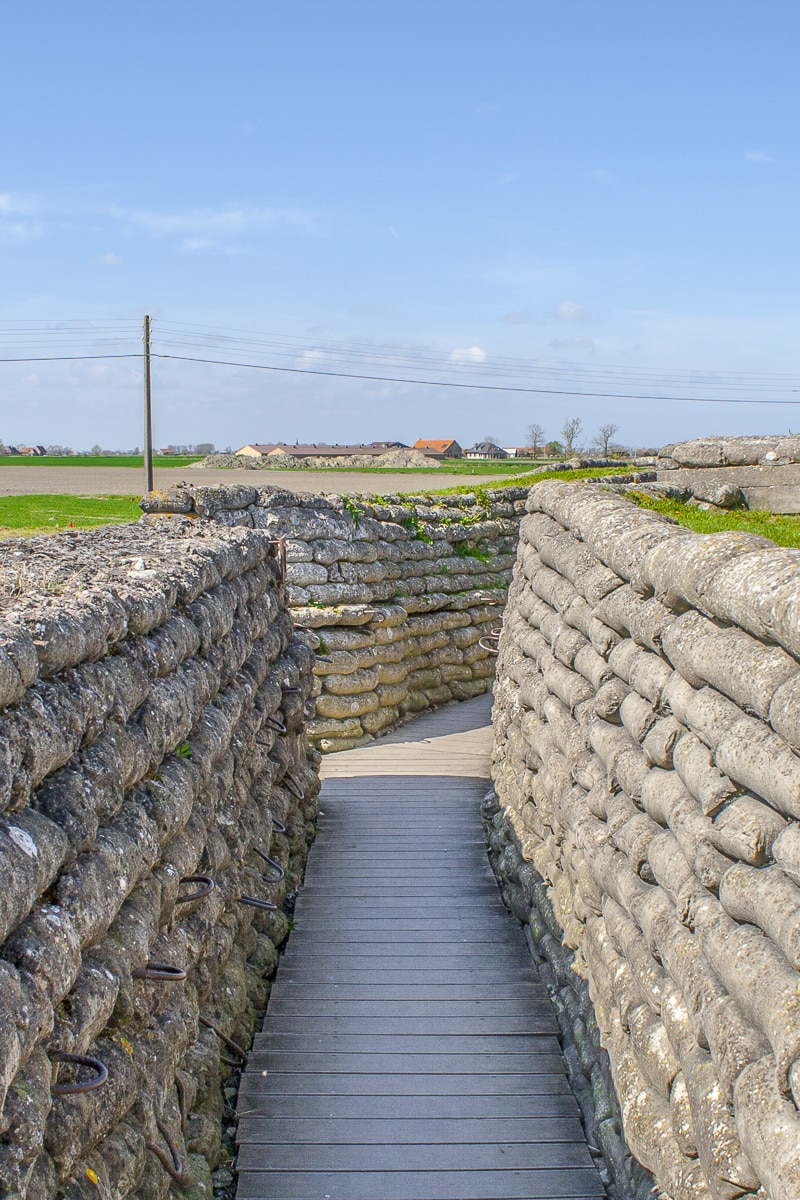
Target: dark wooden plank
(431, 1025)
(348, 1063)
(256, 1085)
(404, 1131)
(546, 1184)
(301, 989)
(307, 1106)
(449, 1156)
(277, 1041)
(523, 1008)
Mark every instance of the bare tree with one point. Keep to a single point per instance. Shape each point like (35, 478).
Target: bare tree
(490, 437)
(535, 438)
(570, 432)
(603, 436)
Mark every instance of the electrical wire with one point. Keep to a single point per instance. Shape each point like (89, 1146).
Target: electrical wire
(472, 386)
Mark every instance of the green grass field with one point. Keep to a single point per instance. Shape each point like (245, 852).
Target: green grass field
(47, 514)
(96, 460)
(782, 528)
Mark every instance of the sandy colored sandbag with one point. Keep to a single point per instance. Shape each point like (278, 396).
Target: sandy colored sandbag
(746, 829)
(732, 661)
(769, 1128)
(695, 764)
(768, 899)
(761, 761)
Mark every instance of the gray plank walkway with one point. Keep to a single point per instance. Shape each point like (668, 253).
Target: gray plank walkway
(409, 1052)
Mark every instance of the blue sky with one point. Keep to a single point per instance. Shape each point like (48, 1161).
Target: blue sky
(588, 195)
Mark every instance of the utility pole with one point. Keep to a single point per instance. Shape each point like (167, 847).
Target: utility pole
(148, 412)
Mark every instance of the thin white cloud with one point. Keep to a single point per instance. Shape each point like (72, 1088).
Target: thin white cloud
(394, 232)
(758, 156)
(509, 177)
(469, 354)
(520, 317)
(109, 260)
(210, 223)
(568, 310)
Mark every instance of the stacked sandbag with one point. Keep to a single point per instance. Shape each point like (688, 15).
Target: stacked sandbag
(402, 593)
(152, 751)
(647, 770)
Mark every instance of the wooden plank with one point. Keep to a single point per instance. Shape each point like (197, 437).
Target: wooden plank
(404, 1131)
(546, 1184)
(449, 1156)
(329, 1042)
(353, 1083)
(307, 1106)
(409, 1051)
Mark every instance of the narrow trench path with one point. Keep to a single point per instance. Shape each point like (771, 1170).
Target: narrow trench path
(409, 1051)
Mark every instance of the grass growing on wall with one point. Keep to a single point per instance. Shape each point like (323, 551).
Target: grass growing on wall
(782, 528)
(46, 514)
(529, 479)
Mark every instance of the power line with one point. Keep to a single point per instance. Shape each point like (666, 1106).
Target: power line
(68, 358)
(483, 387)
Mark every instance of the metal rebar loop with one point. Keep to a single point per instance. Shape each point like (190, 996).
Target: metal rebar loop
(490, 649)
(291, 783)
(275, 865)
(172, 1165)
(256, 903)
(280, 542)
(378, 616)
(160, 972)
(208, 885)
(229, 1042)
(81, 1060)
(276, 724)
(278, 826)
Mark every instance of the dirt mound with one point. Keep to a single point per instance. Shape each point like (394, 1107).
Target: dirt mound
(392, 460)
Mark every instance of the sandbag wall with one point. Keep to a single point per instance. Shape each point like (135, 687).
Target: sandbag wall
(401, 592)
(152, 750)
(647, 776)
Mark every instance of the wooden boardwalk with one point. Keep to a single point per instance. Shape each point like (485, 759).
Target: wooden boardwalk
(409, 1052)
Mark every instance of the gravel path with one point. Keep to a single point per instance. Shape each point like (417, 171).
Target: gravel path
(129, 481)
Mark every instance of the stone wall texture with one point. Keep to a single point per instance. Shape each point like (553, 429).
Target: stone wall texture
(152, 694)
(400, 591)
(757, 472)
(647, 772)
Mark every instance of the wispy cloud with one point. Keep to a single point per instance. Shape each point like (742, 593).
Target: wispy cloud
(210, 223)
(758, 156)
(469, 354)
(17, 222)
(509, 177)
(568, 310)
(394, 232)
(109, 260)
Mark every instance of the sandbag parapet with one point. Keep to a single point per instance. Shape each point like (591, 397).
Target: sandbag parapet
(152, 740)
(422, 578)
(647, 773)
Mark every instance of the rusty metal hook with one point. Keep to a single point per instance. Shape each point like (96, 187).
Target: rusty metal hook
(162, 972)
(280, 542)
(81, 1060)
(208, 886)
(172, 1165)
(293, 786)
(277, 866)
(258, 903)
(229, 1042)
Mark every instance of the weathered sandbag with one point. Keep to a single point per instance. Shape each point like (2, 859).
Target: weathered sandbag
(746, 829)
(729, 659)
(760, 760)
(769, 1128)
(768, 899)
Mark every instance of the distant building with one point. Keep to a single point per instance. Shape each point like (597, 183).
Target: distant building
(319, 449)
(485, 450)
(439, 448)
(32, 451)
(519, 452)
